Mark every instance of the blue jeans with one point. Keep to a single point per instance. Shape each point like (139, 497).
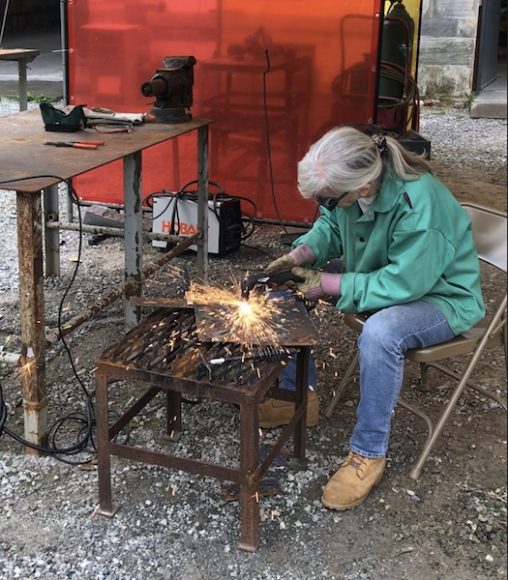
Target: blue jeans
(386, 336)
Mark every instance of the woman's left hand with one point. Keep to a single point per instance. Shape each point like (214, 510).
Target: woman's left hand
(316, 284)
(310, 286)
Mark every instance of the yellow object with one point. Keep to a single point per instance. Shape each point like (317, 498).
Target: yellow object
(274, 412)
(353, 482)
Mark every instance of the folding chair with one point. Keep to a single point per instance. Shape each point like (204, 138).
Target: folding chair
(489, 231)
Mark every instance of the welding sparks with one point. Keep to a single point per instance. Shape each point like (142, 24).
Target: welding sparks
(247, 322)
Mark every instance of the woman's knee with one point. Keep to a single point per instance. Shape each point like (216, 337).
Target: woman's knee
(380, 332)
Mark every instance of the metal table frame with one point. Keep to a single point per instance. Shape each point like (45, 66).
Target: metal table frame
(22, 56)
(249, 473)
(24, 158)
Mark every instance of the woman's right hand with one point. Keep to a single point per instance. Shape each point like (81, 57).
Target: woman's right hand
(283, 264)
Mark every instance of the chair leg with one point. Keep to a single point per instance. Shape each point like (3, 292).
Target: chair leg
(353, 365)
(412, 409)
(424, 377)
(417, 469)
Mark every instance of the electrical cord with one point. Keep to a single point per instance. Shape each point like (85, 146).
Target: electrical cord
(4, 21)
(87, 419)
(268, 143)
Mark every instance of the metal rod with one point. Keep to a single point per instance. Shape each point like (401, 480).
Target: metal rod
(54, 335)
(119, 232)
(23, 98)
(133, 236)
(51, 238)
(202, 254)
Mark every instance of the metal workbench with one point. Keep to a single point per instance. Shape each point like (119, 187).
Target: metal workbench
(22, 56)
(34, 171)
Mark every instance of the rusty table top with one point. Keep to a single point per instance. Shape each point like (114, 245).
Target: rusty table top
(289, 325)
(167, 344)
(27, 54)
(23, 153)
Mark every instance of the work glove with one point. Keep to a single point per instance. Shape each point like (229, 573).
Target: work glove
(300, 255)
(315, 284)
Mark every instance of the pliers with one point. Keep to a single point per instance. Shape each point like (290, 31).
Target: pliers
(76, 144)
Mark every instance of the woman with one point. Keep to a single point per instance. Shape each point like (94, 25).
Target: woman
(408, 259)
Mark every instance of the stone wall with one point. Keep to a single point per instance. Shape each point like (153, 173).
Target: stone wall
(447, 47)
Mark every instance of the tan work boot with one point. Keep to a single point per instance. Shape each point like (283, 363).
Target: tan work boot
(353, 482)
(274, 412)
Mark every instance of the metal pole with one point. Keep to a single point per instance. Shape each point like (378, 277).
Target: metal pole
(117, 293)
(23, 99)
(31, 300)
(202, 257)
(65, 48)
(133, 236)
(51, 236)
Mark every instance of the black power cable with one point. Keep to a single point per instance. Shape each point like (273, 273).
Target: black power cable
(268, 143)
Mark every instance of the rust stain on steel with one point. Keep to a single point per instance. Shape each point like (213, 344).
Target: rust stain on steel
(167, 343)
(117, 293)
(31, 296)
(24, 152)
(165, 353)
(35, 420)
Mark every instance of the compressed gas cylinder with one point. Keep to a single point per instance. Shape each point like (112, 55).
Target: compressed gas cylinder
(396, 51)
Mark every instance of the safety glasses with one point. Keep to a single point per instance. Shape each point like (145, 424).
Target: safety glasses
(330, 203)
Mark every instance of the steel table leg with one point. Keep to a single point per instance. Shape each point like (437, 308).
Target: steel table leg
(31, 300)
(249, 498)
(133, 236)
(202, 254)
(22, 85)
(302, 385)
(51, 236)
(103, 454)
(173, 415)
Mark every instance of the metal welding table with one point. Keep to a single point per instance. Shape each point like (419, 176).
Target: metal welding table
(164, 353)
(33, 171)
(22, 56)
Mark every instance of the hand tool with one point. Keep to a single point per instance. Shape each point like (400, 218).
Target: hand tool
(76, 144)
(263, 279)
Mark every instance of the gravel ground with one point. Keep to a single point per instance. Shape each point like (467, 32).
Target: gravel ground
(171, 525)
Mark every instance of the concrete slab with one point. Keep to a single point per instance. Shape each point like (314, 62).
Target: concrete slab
(491, 101)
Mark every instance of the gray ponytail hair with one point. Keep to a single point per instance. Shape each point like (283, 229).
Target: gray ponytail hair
(346, 159)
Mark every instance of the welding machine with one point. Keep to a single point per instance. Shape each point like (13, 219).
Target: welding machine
(177, 214)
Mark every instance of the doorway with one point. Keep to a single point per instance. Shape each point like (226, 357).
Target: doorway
(490, 56)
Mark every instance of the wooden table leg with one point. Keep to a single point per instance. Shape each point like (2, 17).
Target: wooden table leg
(31, 302)
(249, 498)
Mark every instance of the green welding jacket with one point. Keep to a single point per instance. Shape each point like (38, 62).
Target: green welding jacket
(414, 243)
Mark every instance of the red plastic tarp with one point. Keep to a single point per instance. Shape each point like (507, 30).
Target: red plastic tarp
(273, 75)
